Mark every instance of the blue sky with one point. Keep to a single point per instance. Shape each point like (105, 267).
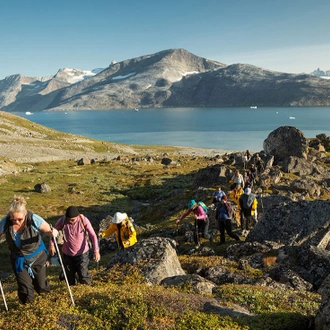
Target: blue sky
(39, 37)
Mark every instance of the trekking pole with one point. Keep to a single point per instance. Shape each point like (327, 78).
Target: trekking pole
(63, 269)
(262, 204)
(3, 297)
(97, 262)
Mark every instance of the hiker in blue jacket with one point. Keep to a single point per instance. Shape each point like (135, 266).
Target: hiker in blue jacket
(224, 214)
(28, 255)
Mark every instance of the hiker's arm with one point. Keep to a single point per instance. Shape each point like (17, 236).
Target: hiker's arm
(51, 247)
(183, 215)
(110, 230)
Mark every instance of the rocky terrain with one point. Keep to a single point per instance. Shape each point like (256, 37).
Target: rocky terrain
(170, 78)
(292, 229)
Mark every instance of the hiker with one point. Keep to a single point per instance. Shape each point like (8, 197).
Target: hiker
(248, 204)
(201, 221)
(234, 195)
(247, 157)
(124, 230)
(216, 196)
(237, 179)
(77, 233)
(28, 253)
(223, 215)
(259, 163)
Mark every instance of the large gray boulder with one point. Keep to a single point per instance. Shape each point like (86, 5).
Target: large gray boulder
(156, 257)
(322, 319)
(286, 141)
(294, 223)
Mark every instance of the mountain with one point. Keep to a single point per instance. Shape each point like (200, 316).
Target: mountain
(170, 78)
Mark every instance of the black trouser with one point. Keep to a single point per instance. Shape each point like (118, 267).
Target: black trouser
(27, 284)
(201, 226)
(77, 265)
(225, 225)
(246, 221)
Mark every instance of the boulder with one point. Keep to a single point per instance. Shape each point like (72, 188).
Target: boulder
(156, 257)
(300, 166)
(284, 142)
(42, 187)
(199, 284)
(305, 186)
(221, 275)
(212, 175)
(293, 223)
(322, 320)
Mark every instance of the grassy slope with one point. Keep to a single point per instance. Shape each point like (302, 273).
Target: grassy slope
(120, 299)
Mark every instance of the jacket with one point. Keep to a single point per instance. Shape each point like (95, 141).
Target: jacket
(248, 204)
(199, 213)
(125, 233)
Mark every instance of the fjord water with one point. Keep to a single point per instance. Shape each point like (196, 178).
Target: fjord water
(213, 128)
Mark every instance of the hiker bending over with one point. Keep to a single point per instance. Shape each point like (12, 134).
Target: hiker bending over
(124, 230)
(28, 255)
(77, 233)
(248, 204)
(201, 221)
(224, 214)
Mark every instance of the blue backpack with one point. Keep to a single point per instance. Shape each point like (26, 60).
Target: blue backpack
(203, 206)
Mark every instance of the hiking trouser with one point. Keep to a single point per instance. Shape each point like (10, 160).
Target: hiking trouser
(77, 265)
(27, 284)
(246, 221)
(225, 225)
(201, 226)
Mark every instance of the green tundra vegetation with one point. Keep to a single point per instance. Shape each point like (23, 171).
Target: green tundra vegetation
(119, 298)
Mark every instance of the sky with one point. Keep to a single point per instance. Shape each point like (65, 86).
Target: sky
(39, 37)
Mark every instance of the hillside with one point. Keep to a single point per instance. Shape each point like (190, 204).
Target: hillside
(136, 180)
(169, 78)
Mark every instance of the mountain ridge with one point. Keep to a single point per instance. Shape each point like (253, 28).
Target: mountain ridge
(169, 78)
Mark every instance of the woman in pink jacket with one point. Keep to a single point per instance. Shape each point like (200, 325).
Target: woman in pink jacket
(201, 221)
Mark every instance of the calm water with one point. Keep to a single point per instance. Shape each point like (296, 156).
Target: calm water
(215, 128)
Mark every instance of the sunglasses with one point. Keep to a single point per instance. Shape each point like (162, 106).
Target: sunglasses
(18, 219)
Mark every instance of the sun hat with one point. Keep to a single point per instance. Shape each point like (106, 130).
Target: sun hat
(119, 217)
(71, 212)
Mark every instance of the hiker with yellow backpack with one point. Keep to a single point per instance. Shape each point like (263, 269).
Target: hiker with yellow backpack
(248, 204)
(124, 230)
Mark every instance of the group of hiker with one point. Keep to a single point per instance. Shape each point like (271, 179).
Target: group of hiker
(24, 231)
(241, 194)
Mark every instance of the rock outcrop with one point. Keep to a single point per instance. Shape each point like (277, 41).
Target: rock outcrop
(156, 257)
(284, 142)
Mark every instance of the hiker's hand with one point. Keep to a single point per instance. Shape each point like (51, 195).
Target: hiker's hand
(177, 220)
(54, 232)
(51, 250)
(101, 235)
(97, 256)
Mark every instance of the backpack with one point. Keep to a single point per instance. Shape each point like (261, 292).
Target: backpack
(205, 208)
(229, 209)
(82, 217)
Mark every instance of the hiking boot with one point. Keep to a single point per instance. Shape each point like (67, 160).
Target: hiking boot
(197, 246)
